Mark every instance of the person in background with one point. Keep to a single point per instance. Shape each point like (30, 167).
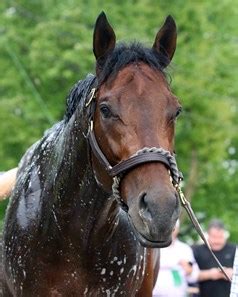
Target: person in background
(7, 182)
(177, 268)
(212, 282)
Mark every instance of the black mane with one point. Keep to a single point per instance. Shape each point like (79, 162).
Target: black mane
(78, 94)
(121, 56)
(125, 54)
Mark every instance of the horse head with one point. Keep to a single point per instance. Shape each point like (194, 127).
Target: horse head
(135, 109)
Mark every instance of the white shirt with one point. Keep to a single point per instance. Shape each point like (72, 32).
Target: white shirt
(172, 281)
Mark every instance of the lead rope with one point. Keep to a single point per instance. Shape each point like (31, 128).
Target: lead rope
(186, 204)
(177, 177)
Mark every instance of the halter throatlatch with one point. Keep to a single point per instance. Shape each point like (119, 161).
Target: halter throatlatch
(144, 155)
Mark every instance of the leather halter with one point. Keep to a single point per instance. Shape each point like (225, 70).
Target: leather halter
(131, 162)
(161, 156)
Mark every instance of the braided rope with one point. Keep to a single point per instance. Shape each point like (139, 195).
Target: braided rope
(176, 176)
(115, 190)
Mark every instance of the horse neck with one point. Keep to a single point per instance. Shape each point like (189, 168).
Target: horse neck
(77, 197)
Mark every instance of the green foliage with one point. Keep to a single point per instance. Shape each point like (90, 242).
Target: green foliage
(46, 46)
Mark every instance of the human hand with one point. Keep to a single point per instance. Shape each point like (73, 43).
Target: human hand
(216, 273)
(187, 267)
(229, 272)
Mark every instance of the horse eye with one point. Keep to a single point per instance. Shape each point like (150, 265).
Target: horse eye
(105, 111)
(179, 110)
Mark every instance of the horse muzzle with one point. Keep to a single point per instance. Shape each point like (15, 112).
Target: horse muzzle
(153, 220)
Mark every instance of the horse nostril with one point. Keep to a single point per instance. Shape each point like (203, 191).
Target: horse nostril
(144, 210)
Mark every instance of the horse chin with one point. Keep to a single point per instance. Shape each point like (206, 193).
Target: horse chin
(148, 243)
(152, 244)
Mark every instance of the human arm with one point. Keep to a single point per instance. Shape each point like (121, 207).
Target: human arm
(7, 182)
(214, 274)
(187, 266)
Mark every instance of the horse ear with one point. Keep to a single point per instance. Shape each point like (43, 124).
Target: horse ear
(165, 41)
(104, 38)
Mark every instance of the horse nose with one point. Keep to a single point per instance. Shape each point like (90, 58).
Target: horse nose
(144, 209)
(157, 209)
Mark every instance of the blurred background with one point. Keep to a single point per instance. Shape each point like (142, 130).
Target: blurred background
(46, 46)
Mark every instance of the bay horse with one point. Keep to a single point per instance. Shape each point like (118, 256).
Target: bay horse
(96, 194)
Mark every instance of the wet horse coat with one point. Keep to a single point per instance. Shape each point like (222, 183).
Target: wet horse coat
(65, 233)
